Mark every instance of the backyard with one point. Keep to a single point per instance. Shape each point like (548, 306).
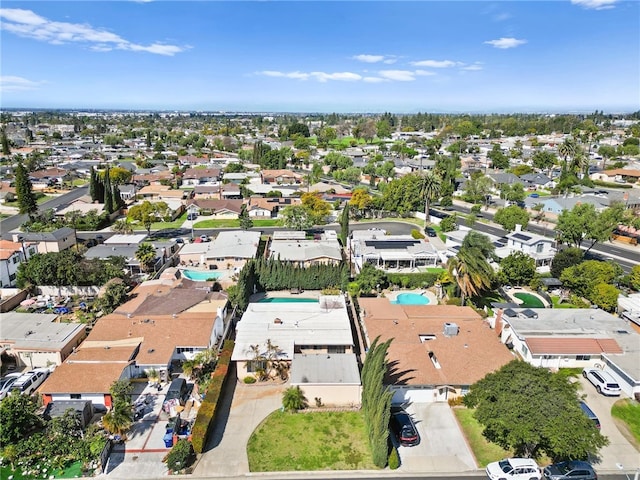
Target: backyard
(528, 300)
(310, 441)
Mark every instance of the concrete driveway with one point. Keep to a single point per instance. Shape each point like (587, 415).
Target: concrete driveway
(244, 407)
(619, 451)
(442, 447)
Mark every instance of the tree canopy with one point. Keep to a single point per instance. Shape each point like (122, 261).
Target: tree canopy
(511, 216)
(527, 409)
(517, 269)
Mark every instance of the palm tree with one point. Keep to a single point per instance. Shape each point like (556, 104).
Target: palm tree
(567, 149)
(122, 226)
(470, 267)
(430, 189)
(118, 421)
(146, 255)
(293, 399)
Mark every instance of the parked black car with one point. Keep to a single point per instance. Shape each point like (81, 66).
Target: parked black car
(573, 470)
(403, 427)
(430, 231)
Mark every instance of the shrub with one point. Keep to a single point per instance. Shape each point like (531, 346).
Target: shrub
(180, 456)
(394, 458)
(207, 412)
(249, 379)
(456, 401)
(413, 280)
(416, 234)
(454, 301)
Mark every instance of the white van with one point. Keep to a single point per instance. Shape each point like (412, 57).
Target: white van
(31, 380)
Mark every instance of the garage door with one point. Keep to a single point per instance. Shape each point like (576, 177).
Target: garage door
(413, 395)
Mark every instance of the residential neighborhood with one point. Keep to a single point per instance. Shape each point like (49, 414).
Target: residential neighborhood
(186, 284)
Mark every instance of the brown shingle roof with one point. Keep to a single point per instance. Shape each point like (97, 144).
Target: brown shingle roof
(8, 248)
(572, 346)
(83, 378)
(464, 358)
(161, 334)
(216, 205)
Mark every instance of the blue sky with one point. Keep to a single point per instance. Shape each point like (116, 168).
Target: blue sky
(429, 56)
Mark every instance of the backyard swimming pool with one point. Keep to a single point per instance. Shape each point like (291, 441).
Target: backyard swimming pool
(411, 299)
(200, 275)
(288, 300)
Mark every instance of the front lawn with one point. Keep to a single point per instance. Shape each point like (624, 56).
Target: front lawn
(177, 223)
(484, 451)
(628, 412)
(310, 441)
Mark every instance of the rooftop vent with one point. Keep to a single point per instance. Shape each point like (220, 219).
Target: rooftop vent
(277, 321)
(426, 336)
(450, 329)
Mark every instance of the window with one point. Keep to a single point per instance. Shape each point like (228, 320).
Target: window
(12, 277)
(583, 357)
(337, 349)
(255, 365)
(539, 247)
(75, 396)
(185, 350)
(525, 350)
(15, 259)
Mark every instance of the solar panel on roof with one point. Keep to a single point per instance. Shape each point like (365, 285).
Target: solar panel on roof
(521, 236)
(510, 313)
(390, 244)
(529, 313)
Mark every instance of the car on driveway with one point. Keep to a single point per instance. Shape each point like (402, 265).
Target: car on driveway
(573, 470)
(7, 383)
(403, 427)
(430, 232)
(514, 469)
(605, 384)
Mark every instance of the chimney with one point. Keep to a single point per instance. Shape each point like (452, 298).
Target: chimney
(518, 227)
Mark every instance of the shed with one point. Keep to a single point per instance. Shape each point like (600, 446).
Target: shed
(82, 408)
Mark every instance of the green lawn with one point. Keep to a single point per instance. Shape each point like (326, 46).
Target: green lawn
(629, 412)
(310, 441)
(557, 304)
(528, 300)
(44, 198)
(484, 451)
(73, 471)
(177, 223)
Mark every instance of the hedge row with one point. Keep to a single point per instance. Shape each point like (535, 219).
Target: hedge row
(209, 407)
(413, 280)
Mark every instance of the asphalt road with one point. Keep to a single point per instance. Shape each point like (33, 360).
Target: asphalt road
(626, 257)
(11, 223)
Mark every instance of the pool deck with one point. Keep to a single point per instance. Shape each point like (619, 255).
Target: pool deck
(256, 297)
(393, 295)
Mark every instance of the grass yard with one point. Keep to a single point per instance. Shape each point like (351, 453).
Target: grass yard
(487, 299)
(484, 451)
(73, 471)
(557, 304)
(310, 441)
(177, 223)
(528, 300)
(628, 412)
(44, 198)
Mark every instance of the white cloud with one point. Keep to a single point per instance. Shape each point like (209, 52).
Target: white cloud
(595, 4)
(388, 59)
(398, 75)
(28, 24)
(17, 84)
(374, 79)
(475, 67)
(368, 58)
(319, 76)
(506, 42)
(435, 63)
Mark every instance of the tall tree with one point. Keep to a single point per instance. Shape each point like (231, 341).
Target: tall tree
(430, 189)
(108, 193)
(526, 409)
(470, 267)
(6, 150)
(344, 225)
(27, 202)
(245, 220)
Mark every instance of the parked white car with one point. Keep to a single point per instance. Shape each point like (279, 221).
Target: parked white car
(31, 380)
(6, 383)
(514, 469)
(605, 384)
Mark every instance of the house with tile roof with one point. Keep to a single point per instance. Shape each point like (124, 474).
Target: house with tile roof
(200, 176)
(260, 207)
(304, 252)
(389, 252)
(437, 351)
(574, 338)
(217, 208)
(281, 177)
(167, 321)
